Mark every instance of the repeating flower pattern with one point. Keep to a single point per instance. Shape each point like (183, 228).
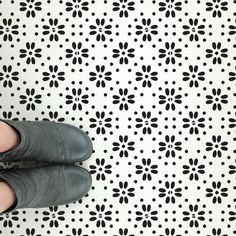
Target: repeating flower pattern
(153, 84)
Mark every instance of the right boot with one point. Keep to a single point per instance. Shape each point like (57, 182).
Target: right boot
(46, 186)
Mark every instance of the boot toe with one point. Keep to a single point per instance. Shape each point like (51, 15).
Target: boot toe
(79, 146)
(78, 182)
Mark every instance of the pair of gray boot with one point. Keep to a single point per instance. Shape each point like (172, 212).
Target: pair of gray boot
(49, 185)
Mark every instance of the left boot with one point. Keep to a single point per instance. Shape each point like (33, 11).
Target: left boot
(48, 141)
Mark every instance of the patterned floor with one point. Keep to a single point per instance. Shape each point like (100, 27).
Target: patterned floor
(153, 84)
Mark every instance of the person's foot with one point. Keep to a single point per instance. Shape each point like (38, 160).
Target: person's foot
(9, 137)
(7, 196)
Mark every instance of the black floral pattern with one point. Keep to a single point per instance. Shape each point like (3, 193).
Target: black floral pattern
(124, 146)
(153, 85)
(174, 5)
(193, 123)
(100, 30)
(170, 146)
(53, 76)
(30, 52)
(170, 99)
(193, 169)
(77, 53)
(170, 53)
(147, 216)
(100, 76)
(7, 76)
(77, 7)
(54, 29)
(123, 99)
(194, 216)
(123, 7)
(217, 53)
(194, 78)
(194, 30)
(76, 99)
(217, 192)
(101, 123)
(30, 6)
(217, 146)
(123, 53)
(8, 29)
(217, 104)
(217, 6)
(146, 76)
(147, 122)
(146, 29)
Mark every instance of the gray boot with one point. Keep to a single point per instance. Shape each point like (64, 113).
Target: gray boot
(46, 186)
(48, 141)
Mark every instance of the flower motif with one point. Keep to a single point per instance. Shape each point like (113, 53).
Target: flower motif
(216, 6)
(30, 99)
(194, 215)
(170, 146)
(76, 232)
(101, 169)
(170, 4)
(124, 232)
(76, 52)
(217, 232)
(124, 146)
(195, 78)
(148, 170)
(123, 6)
(53, 216)
(123, 53)
(8, 30)
(217, 51)
(147, 123)
(146, 30)
(170, 192)
(195, 30)
(77, 6)
(77, 99)
(217, 104)
(123, 192)
(54, 31)
(217, 146)
(171, 100)
(100, 76)
(170, 232)
(232, 122)
(216, 192)
(122, 100)
(232, 215)
(194, 123)
(232, 76)
(30, 7)
(147, 216)
(232, 29)
(146, 76)
(8, 76)
(30, 52)
(30, 232)
(53, 76)
(101, 123)
(170, 53)
(193, 169)
(101, 216)
(100, 29)
(232, 169)
(8, 219)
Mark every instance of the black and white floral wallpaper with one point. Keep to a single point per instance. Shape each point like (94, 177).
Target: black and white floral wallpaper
(153, 84)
